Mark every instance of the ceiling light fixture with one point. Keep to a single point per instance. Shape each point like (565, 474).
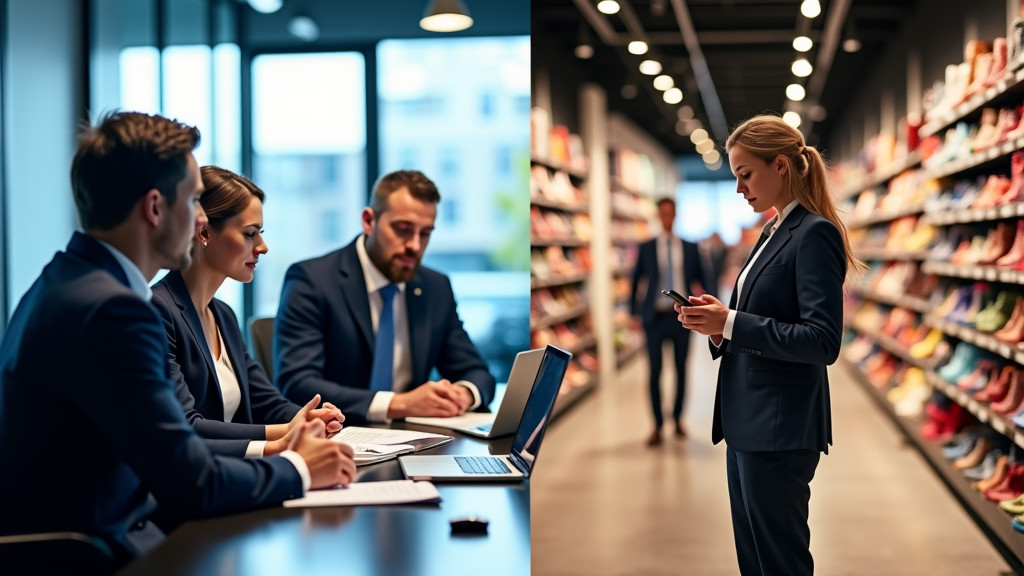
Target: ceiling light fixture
(711, 156)
(685, 113)
(851, 40)
(810, 8)
(303, 27)
(716, 165)
(608, 6)
(637, 47)
(705, 146)
(584, 43)
(446, 16)
(266, 6)
(682, 127)
(795, 92)
(663, 82)
(802, 43)
(699, 135)
(650, 67)
(673, 96)
(802, 68)
(792, 118)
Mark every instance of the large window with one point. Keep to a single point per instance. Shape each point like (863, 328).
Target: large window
(458, 110)
(455, 108)
(309, 156)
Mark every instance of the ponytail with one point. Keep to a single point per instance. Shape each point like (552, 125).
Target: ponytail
(768, 137)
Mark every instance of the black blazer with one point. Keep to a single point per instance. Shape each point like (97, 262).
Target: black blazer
(323, 335)
(648, 271)
(192, 369)
(89, 414)
(772, 383)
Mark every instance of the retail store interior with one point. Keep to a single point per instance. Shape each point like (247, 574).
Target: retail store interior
(565, 122)
(916, 107)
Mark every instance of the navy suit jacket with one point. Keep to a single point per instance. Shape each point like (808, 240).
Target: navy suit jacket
(772, 383)
(195, 376)
(90, 427)
(647, 269)
(323, 335)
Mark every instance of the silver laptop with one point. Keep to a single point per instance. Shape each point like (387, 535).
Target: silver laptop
(510, 410)
(525, 445)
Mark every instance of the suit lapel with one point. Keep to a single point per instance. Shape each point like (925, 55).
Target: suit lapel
(772, 247)
(179, 294)
(353, 286)
(416, 306)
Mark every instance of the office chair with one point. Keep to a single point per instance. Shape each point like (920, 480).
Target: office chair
(55, 553)
(261, 339)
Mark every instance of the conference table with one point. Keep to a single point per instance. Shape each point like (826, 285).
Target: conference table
(399, 540)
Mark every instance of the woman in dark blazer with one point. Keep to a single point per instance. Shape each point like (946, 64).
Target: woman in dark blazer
(780, 331)
(225, 393)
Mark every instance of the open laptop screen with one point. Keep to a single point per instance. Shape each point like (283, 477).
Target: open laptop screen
(538, 408)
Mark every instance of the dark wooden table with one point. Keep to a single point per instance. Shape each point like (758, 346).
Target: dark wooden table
(402, 540)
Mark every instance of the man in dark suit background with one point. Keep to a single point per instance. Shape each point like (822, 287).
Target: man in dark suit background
(666, 261)
(87, 348)
(328, 338)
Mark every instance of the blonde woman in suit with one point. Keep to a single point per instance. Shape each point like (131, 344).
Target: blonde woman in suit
(780, 331)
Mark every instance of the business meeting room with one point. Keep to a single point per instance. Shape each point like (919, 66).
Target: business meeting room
(303, 286)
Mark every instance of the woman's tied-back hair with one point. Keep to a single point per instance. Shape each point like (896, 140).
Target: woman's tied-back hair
(768, 137)
(226, 195)
(124, 156)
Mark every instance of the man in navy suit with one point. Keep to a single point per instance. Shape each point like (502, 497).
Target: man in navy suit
(666, 261)
(328, 327)
(86, 345)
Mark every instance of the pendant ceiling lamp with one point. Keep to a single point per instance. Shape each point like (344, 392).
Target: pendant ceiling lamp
(446, 16)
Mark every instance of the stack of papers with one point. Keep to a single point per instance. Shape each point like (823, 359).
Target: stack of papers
(373, 445)
(368, 494)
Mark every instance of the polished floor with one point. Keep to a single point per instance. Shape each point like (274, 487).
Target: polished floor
(602, 503)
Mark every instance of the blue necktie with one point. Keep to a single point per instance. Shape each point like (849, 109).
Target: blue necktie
(384, 345)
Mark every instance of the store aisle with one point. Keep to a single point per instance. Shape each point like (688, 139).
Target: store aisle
(602, 503)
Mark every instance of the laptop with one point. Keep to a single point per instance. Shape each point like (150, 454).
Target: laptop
(519, 463)
(510, 410)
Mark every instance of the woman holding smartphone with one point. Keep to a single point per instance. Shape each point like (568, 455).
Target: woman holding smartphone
(780, 331)
(224, 391)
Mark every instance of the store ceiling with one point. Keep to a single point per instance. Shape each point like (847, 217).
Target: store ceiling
(747, 48)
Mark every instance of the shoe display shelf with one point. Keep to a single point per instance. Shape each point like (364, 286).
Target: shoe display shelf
(994, 522)
(632, 209)
(879, 177)
(560, 311)
(1007, 91)
(945, 211)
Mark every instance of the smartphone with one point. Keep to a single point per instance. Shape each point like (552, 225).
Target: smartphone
(676, 296)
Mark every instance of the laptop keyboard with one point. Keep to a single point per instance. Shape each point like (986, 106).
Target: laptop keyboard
(482, 465)
(485, 427)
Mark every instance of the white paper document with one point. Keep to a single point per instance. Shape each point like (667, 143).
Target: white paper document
(373, 445)
(369, 493)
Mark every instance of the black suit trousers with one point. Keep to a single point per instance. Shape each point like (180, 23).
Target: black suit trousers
(769, 493)
(666, 327)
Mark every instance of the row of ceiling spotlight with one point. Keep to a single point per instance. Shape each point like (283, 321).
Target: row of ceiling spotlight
(687, 124)
(802, 67)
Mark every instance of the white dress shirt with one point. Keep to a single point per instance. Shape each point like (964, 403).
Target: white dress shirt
(402, 370)
(231, 393)
(731, 319)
